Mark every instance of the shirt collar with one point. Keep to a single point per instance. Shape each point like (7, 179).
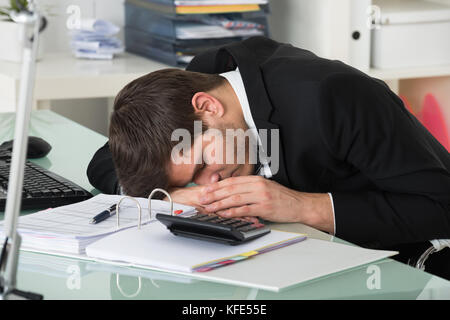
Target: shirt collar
(235, 80)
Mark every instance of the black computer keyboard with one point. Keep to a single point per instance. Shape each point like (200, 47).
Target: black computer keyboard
(41, 188)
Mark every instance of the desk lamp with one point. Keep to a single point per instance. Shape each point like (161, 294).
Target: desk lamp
(33, 23)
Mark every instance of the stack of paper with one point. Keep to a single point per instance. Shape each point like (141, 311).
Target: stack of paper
(232, 24)
(67, 229)
(96, 39)
(214, 27)
(192, 30)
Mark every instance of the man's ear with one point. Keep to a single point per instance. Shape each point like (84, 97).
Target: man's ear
(207, 106)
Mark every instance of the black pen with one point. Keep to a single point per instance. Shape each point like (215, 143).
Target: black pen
(104, 215)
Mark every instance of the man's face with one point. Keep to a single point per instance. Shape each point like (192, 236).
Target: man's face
(206, 161)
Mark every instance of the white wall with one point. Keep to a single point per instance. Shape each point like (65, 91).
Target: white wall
(316, 25)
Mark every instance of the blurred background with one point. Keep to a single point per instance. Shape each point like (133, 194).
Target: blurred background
(406, 43)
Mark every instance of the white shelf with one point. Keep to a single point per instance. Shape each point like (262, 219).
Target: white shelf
(410, 73)
(61, 76)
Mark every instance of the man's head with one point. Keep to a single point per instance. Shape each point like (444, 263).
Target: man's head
(150, 109)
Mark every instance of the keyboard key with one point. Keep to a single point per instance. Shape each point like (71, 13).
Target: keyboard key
(68, 192)
(56, 192)
(36, 193)
(46, 193)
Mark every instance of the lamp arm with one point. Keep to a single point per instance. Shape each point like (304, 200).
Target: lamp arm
(9, 259)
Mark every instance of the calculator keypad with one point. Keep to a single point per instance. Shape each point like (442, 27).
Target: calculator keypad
(239, 224)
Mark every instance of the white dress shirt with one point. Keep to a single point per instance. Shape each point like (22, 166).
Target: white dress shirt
(235, 80)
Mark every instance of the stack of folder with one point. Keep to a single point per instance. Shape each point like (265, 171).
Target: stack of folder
(174, 31)
(66, 229)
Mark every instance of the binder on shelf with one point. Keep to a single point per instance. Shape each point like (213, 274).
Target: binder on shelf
(155, 29)
(165, 26)
(170, 51)
(180, 8)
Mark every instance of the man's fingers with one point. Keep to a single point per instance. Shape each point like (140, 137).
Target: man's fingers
(231, 181)
(237, 199)
(224, 192)
(248, 211)
(249, 219)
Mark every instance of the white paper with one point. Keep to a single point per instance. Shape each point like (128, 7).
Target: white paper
(96, 40)
(99, 26)
(155, 246)
(295, 264)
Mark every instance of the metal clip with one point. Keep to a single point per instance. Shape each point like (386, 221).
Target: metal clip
(139, 208)
(126, 295)
(150, 202)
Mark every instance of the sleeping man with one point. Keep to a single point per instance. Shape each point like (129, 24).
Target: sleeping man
(268, 130)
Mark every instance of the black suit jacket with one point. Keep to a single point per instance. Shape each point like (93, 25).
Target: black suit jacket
(341, 131)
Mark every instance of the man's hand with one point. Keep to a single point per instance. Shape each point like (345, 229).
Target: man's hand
(189, 196)
(257, 196)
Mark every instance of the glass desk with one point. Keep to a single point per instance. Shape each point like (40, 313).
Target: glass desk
(65, 278)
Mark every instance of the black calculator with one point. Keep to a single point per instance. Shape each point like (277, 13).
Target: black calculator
(211, 227)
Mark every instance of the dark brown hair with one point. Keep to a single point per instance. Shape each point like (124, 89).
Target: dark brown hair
(146, 112)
